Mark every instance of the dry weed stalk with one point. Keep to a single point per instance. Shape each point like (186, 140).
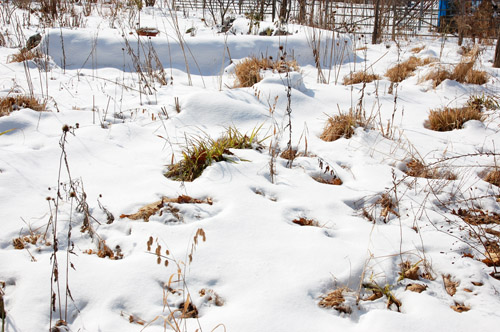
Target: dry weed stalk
(172, 316)
(3, 312)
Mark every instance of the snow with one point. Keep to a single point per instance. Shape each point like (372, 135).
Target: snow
(270, 272)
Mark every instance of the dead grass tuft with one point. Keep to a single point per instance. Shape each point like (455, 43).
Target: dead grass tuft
(149, 210)
(289, 154)
(335, 299)
(409, 271)
(360, 77)
(405, 69)
(202, 152)
(12, 103)
(417, 49)
(305, 222)
(388, 206)
(334, 181)
(437, 76)
(449, 118)
(24, 55)
(493, 177)
(417, 169)
(22, 242)
(463, 72)
(477, 217)
(450, 285)
(417, 288)
(248, 71)
(483, 102)
(341, 125)
(460, 307)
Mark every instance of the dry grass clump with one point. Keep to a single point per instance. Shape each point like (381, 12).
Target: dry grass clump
(409, 271)
(201, 152)
(483, 102)
(248, 71)
(289, 154)
(333, 181)
(24, 55)
(493, 177)
(463, 72)
(12, 103)
(305, 222)
(341, 125)
(458, 307)
(23, 241)
(437, 76)
(477, 217)
(449, 118)
(360, 77)
(417, 49)
(417, 288)
(403, 70)
(335, 299)
(417, 169)
(388, 206)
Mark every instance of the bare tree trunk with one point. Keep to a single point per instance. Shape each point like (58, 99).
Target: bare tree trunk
(496, 61)
(274, 10)
(283, 9)
(302, 11)
(376, 25)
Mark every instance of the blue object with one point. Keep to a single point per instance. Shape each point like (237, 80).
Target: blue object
(443, 9)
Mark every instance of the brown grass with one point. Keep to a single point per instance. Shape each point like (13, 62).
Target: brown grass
(12, 103)
(437, 76)
(248, 71)
(289, 154)
(334, 181)
(458, 307)
(341, 125)
(23, 241)
(493, 177)
(463, 72)
(417, 169)
(305, 222)
(449, 118)
(360, 77)
(405, 69)
(335, 299)
(417, 49)
(24, 55)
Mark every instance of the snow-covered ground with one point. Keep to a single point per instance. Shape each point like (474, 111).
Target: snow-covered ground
(122, 131)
